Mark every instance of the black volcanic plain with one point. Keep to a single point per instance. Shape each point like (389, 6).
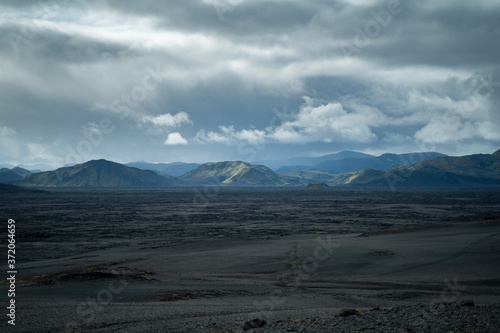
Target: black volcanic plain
(212, 254)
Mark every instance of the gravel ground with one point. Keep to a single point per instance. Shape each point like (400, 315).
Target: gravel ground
(443, 317)
(418, 318)
(186, 267)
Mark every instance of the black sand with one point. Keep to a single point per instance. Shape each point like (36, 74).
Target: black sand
(212, 259)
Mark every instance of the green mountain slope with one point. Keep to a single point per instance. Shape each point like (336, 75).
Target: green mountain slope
(236, 173)
(96, 174)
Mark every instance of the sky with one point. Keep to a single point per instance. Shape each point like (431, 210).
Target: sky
(251, 80)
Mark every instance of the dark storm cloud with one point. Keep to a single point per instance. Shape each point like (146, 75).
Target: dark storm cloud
(20, 4)
(455, 34)
(59, 46)
(245, 19)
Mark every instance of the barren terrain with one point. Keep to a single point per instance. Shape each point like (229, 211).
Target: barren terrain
(210, 259)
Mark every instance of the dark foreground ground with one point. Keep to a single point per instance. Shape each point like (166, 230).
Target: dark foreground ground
(211, 259)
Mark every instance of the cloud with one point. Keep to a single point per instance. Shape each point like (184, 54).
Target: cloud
(226, 135)
(6, 131)
(315, 122)
(175, 139)
(452, 128)
(231, 62)
(252, 136)
(330, 122)
(168, 120)
(425, 116)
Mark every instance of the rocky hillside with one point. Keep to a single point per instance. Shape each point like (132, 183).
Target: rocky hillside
(235, 173)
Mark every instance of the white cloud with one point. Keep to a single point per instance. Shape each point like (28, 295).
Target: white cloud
(225, 135)
(6, 131)
(252, 136)
(168, 120)
(41, 152)
(439, 132)
(450, 121)
(175, 139)
(322, 123)
(331, 122)
(228, 135)
(489, 130)
(440, 119)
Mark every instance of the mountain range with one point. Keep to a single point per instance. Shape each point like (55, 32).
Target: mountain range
(406, 171)
(351, 163)
(306, 162)
(7, 175)
(97, 174)
(175, 169)
(473, 171)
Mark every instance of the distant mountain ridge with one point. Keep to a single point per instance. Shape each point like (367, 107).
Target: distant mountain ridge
(350, 164)
(312, 161)
(306, 162)
(96, 174)
(383, 162)
(480, 170)
(433, 171)
(236, 173)
(7, 175)
(21, 171)
(175, 169)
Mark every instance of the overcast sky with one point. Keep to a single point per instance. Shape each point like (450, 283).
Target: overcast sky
(212, 80)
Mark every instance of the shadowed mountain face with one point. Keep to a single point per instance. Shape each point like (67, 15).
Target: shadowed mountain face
(465, 171)
(236, 173)
(21, 172)
(352, 163)
(303, 163)
(382, 162)
(96, 174)
(175, 169)
(7, 175)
